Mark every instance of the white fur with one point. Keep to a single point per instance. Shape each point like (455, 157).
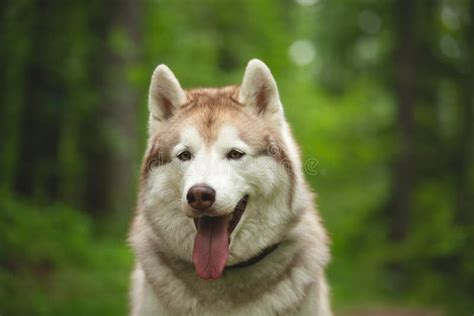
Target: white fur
(211, 167)
(289, 281)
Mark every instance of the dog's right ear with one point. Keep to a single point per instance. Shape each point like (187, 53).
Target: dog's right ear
(165, 97)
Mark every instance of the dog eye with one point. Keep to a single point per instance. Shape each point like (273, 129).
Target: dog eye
(185, 155)
(235, 154)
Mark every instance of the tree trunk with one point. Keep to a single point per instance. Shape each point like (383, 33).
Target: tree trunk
(463, 150)
(113, 182)
(15, 29)
(403, 172)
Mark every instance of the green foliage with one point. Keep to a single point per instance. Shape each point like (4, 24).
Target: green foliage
(73, 127)
(51, 263)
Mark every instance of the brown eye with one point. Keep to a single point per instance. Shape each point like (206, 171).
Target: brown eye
(235, 154)
(185, 155)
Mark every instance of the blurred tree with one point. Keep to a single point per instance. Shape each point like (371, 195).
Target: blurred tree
(71, 107)
(421, 54)
(463, 149)
(117, 159)
(406, 82)
(17, 20)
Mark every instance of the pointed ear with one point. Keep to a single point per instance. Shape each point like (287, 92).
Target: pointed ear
(166, 95)
(259, 91)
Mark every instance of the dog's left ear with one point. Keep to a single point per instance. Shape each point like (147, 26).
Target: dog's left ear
(259, 91)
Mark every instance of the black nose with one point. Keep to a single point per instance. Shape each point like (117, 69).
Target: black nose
(201, 196)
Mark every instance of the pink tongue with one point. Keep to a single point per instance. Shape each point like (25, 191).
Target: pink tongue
(211, 247)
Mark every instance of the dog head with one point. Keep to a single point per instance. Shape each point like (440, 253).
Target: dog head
(218, 175)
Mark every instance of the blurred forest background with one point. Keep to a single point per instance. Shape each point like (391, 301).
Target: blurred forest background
(380, 95)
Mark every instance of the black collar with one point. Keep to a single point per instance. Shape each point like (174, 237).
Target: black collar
(255, 259)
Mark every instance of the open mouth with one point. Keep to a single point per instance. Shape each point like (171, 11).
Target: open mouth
(211, 246)
(235, 215)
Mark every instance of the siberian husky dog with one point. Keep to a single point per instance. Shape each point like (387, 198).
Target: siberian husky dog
(225, 223)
